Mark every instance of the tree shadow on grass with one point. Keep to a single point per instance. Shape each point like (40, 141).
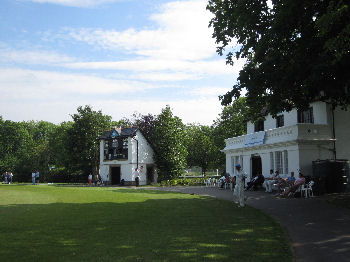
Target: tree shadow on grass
(152, 230)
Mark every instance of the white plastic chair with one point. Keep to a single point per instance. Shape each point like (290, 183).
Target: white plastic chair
(307, 189)
(213, 181)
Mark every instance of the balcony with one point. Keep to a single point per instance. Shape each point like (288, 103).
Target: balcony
(295, 133)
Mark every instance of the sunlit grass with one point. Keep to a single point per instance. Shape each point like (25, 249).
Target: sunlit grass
(48, 223)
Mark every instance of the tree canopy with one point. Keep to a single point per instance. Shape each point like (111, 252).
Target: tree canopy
(169, 144)
(83, 135)
(296, 51)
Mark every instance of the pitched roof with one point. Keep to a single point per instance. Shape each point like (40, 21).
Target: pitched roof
(125, 132)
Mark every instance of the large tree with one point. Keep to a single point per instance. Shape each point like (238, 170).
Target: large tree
(83, 143)
(200, 146)
(169, 144)
(230, 123)
(296, 51)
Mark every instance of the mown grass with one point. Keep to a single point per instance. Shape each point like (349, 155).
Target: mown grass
(48, 223)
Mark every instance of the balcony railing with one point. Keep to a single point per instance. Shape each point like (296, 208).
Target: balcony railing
(299, 132)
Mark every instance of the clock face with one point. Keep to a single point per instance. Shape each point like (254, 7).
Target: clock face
(114, 134)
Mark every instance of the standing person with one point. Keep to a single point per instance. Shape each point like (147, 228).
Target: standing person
(10, 175)
(33, 177)
(239, 188)
(96, 180)
(37, 176)
(6, 178)
(90, 179)
(137, 176)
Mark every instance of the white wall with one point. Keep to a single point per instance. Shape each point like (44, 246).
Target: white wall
(342, 133)
(320, 111)
(145, 152)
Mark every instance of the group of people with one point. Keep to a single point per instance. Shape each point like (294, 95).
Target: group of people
(97, 180)
(290, 184)
(7, 177)
(226, 179)
(35, 177)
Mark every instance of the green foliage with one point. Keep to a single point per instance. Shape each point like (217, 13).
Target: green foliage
(24, 147)
(200, 146)
(182, 182)
(169, 144)
(83, 143)
(296, 51)
(230, 123)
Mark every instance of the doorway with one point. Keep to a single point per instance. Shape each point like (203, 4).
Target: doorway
(256, 165)
(115, 175)
(150, 175)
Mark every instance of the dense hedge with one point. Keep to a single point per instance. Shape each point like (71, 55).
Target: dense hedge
(183, 182)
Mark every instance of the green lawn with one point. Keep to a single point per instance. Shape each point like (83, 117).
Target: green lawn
(49, 223)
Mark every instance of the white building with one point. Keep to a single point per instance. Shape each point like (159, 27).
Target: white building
(121, 152)
(291, 141)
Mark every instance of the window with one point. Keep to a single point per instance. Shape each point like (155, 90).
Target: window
(285, 161)
(272, 163)
(306, 116)
(116, 149)
(278, 162)
(259, 126)
(280, 121)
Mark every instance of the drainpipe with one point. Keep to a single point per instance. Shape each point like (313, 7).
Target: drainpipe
(333, 127)
(137, 153)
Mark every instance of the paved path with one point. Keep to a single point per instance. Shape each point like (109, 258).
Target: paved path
(318, 231)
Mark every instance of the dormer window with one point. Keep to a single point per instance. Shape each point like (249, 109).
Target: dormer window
(279, 121)
(259, 126)
(306, 116)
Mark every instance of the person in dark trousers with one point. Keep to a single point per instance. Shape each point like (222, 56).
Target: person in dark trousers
(137, 176)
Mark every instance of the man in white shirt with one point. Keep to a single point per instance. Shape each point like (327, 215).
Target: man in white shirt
(239, 188)
(271, 180)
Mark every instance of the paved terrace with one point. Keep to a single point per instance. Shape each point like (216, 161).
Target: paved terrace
(319, 231)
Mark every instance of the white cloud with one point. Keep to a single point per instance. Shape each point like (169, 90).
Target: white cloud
(52, 96)
(76, 3)
(182, 33)
(214, 67)
(31, 84)
(209, 91)
(196, 110)
(10, 55)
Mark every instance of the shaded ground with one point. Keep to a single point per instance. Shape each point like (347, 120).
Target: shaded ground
(319, 231)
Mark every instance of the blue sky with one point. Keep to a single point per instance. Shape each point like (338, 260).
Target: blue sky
(119, 56)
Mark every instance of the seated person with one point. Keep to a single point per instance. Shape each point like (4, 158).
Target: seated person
(300, 181)
(256, 181)
(286, 182)
(269, 181)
